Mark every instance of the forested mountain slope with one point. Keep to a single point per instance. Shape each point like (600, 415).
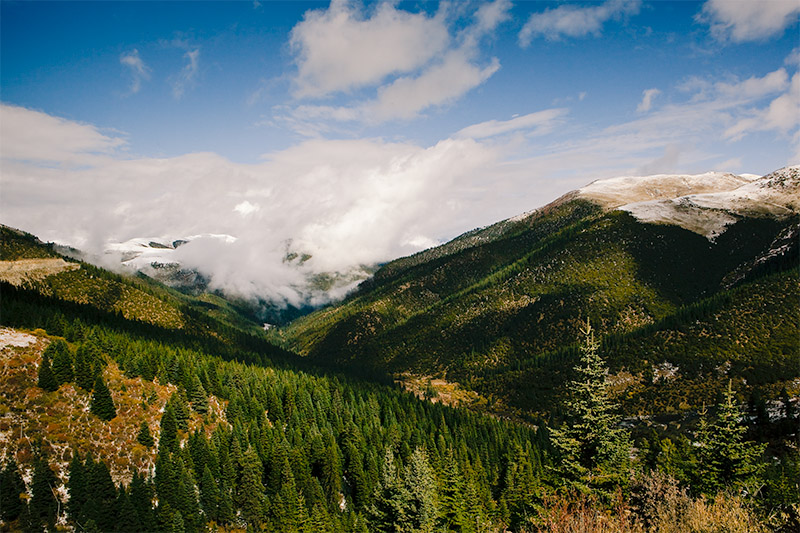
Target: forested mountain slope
(497, 309)
(104, 414)
(129, 407)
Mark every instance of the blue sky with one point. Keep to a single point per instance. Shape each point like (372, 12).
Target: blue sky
(360, 131)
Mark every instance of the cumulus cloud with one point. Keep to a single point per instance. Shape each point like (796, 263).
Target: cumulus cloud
(441, 84)
(338, 49)
(575, 21)
(753, 20)
(139, 70)
(410, 60)
(346, 203)
(647, 100)
(538, 123)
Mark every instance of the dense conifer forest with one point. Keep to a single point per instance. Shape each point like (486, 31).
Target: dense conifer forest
(115, 419)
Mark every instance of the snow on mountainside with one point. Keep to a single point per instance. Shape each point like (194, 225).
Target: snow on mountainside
(613, 193)
(705, 203)
(143, 253)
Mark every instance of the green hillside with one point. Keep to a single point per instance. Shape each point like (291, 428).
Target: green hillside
(487, 309)
(117, 418)
(28, 262)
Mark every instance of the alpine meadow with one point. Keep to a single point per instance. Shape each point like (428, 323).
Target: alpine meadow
(400, 267)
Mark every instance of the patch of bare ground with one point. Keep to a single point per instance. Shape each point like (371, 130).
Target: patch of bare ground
(437, 390)
(25, 271)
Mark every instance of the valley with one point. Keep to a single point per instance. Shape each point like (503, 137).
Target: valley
(436, 395)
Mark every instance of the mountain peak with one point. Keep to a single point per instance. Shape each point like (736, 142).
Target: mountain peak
(613, 193)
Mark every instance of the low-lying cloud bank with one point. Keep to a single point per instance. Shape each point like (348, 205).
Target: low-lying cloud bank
(344, 203)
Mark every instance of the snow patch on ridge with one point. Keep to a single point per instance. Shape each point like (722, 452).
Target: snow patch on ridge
(705, 203)
(615, 192)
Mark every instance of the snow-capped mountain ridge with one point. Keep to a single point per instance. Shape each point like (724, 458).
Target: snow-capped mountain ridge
(703, 203)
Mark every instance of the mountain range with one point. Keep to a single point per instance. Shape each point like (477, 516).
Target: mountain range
(664, 267)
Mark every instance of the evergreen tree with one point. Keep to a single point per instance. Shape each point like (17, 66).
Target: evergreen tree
(209, 495)
(250, 491)
(101, 496)
(141, 496)
(43, 504)
(128, 520)
(102, 404)
(420, 482)
(47, 379)
(181, 409)
(77, 487)
(594, 452)
(168, 440)
(84, 362)
(186, 497)
(452, 508)
(62, 361)
(165, 478)
(197, 395)
(11, 488)
(725, 459)
(144, 437)
(392, 508)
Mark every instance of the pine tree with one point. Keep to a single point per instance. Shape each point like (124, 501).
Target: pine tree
(209, 495)
(144, 437)
(725, 459)
(43, 505)
(84, 363)
(47, 380)
(420, 482)
(594, 452)
(168, 440)
(101, 496)
(141, 496)
(102, 404)
(180, 408)
(392, 506)
(250, 495)
(128, 520)
(77, 487)
(197, 395)
(11, 487)
(62, 361)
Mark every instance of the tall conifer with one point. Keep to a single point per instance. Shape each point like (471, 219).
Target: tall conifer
(11, 488)
(61, 361)
(102, 404)
(47, 380)
(594, 452)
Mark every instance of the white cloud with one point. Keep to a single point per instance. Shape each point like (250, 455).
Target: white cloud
(246, 208)
(647, 100)
(782, 114)
(540, 122)
(188, 74)
(338, 49)
(345, 202)
(793, 59)
(575, 21)
(139, 70)
(44, 139)
(491, 15)
(441, 84)
(750, 20)
(410, 60)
